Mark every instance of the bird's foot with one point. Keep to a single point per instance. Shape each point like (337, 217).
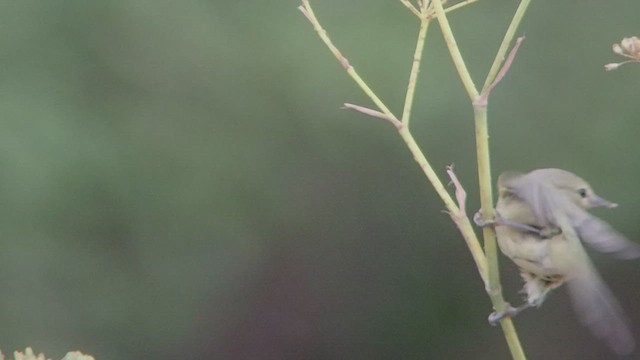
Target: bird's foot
(495, 317)
(477, 218)
(545, 233)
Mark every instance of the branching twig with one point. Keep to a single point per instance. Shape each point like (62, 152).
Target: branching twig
(432, 14)
(412, 8)
(415, 69)
(484, 96)
(486, 261)
(462, 222)
(458, 61)
(461, 194)
(306, 9)
(506, 41)
(459, 5)
(395, 122)
(493, 287)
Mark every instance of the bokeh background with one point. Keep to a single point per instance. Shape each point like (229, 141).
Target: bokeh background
(178, 179)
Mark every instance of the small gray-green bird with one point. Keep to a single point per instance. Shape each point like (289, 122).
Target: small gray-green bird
(541, 223)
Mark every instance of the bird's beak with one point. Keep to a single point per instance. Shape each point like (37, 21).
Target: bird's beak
(597, 201)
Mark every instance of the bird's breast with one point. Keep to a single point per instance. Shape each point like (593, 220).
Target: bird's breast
(531, 252)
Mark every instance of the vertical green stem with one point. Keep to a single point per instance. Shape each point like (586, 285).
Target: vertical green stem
(494, 289)
(486, 193)
(415, 69)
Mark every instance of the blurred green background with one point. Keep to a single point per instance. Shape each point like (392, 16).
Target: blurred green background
(178, 179)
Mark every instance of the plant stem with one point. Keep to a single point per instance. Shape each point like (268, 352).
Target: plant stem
(412, 8)
(459, 218)
(493, 287)
(458, 61)
(487, 261)
(308, 12)
(415, 69)
(506, 41)
(459, 5)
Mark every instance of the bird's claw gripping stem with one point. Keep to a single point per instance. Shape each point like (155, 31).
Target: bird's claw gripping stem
(495, 317)
(544, 232)
(478, 220)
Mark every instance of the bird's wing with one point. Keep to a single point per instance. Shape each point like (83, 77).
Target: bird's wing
(599, 310)
(594, 303)
(544, 200)
(602, 237)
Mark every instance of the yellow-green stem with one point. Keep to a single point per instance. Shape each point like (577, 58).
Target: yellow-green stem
(488, 269)
(451, 8)
(463, 225)
(511, 335)
(494, 289)
(486, 194)
(461, 220)
(308, 12)
(458, 61)
(415, 69)
(506, 42)
(412, 8)
(459, 5)
(484, 175)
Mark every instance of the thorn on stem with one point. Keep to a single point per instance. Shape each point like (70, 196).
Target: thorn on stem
(344, 61)
(375, 113)
(461, 194)
(484, 97)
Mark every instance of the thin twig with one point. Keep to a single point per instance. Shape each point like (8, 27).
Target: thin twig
(306, 9)
(484, 96)
(507, 63)
(461, 220)
(412, 8)
(462, 223)
(365, 110)
(458, 61)
(432, 14)
(461, 194)
(459, 5)
(308, 13)
(415, 69)
(506, 41)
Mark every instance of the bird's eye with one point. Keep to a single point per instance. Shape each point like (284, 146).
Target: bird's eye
(582, 192)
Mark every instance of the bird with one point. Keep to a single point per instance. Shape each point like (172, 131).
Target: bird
(541, 221)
